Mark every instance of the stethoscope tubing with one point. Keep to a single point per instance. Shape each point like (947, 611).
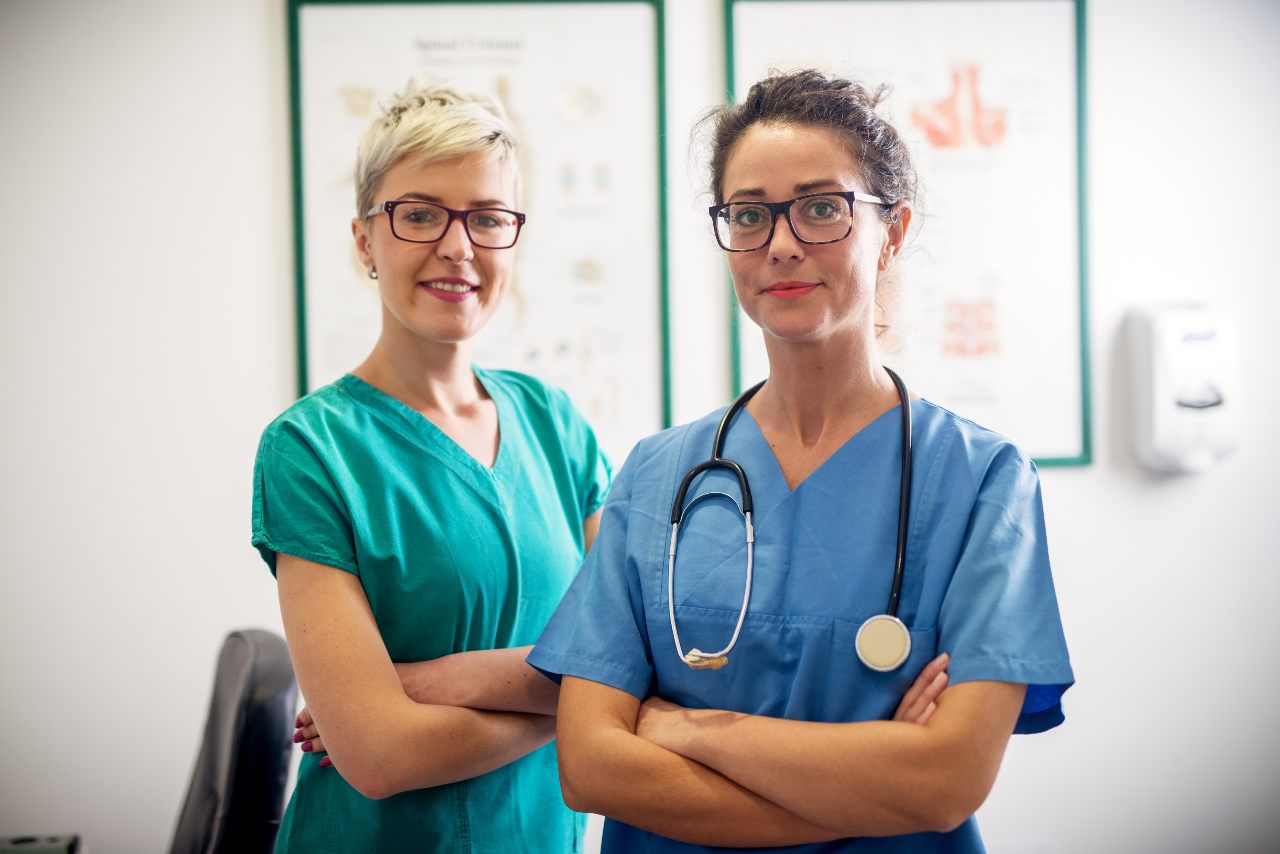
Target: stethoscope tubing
(698, 659)
(904, 494)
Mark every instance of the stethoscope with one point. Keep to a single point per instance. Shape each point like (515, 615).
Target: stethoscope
(883, 642)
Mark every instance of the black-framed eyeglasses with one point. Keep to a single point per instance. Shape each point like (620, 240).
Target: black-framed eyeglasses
(813, 218)
(426, 222)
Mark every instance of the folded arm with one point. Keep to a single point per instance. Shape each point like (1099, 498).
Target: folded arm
(494, 679)
(606, 768)
(874, 778)
(381, 740)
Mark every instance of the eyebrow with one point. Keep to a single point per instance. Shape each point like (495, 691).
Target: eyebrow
(476, 203)
(799, 189)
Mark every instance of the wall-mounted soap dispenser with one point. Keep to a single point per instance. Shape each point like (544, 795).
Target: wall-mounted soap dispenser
(1185, 384)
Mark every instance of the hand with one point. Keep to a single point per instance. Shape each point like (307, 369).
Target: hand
(918, 704)
(426, 681)
(657, 721)
(308, 738)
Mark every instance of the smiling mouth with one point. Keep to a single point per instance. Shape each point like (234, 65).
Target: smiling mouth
(452, 286)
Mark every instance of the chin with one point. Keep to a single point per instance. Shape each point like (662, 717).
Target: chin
(797, 332)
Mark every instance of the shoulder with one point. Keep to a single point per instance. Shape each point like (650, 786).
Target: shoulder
(963, 448)
(314, 418)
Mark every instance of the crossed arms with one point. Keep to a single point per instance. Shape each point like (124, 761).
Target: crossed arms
(389, 728)
(704, 776)
(720, 778)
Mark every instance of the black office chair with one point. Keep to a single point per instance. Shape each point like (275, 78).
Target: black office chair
(236, 794)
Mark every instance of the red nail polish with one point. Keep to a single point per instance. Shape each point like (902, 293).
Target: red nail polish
(326, 762)
(297, 737)
(297, 723)
(306, 746)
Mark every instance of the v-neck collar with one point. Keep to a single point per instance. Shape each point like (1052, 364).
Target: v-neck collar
(414, 425)
(777, 481)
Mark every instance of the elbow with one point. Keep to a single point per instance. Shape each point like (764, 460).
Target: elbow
(374, 789)
(947, 818)
(576, 783)
(374, 782)
(571, 798)
(954, 804)
(374, 772)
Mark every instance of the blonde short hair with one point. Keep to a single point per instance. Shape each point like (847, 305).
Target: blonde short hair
(430, 120)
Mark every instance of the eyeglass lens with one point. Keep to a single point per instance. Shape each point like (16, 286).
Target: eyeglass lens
(423, 222)
(744, 226)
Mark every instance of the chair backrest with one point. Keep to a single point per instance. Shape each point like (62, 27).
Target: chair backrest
(236, 794)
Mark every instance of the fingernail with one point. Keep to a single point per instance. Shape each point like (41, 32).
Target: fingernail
(326, 762)
(306, 747)
(297, 722)
(297, 736)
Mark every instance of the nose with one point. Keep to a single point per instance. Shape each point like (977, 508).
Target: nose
(784, 245)
(455, 246)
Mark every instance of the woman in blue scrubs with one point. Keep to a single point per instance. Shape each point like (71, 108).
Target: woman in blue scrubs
(790, 744)
(423, 518)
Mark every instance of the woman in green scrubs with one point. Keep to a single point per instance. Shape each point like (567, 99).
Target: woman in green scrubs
(423, 517)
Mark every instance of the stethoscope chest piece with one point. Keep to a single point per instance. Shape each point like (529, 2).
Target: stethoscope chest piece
(883, 643)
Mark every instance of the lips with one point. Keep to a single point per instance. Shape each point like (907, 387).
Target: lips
(790, 290)
(450, 289)
(448, 285)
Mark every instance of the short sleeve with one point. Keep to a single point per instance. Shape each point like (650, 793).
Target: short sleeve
(999, 620)
(297, 507)
(598, 632)
(591, 469)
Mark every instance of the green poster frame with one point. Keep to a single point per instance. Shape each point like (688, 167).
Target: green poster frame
(295, 97)
(1085, 456)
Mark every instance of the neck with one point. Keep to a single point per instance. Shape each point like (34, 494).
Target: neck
(823, 389)
(428, 376)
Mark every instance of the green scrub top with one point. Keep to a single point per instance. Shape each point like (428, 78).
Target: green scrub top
(453, 556)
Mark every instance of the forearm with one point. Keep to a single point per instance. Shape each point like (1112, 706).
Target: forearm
(492, 679)
(873, 778)
(618, 774)
(417, 746)
(865, 779)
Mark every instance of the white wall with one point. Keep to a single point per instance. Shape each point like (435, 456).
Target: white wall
(142, 357)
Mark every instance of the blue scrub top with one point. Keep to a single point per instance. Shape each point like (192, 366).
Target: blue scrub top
(976, 584)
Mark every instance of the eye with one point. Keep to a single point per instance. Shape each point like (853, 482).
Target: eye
(485, 220)
(418, 214)
(747, 216)
(821, 208)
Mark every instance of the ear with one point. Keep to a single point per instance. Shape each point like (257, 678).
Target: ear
(895, 235)
(360, 231)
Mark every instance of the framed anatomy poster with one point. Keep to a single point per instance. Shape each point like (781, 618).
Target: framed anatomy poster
(989, 309)
(587, 310)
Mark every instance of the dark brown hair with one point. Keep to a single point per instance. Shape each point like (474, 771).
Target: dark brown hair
(809, 97)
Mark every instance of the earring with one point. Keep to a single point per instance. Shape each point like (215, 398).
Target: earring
(373, 272)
